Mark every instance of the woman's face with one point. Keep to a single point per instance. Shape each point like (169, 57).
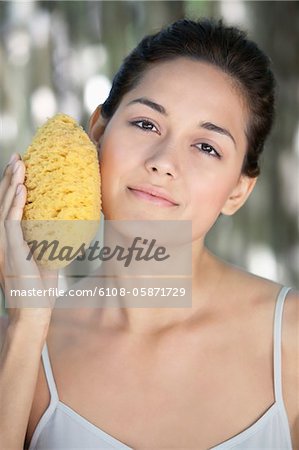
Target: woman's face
(180, 135)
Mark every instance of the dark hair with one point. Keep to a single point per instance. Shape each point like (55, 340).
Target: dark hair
(222, 46)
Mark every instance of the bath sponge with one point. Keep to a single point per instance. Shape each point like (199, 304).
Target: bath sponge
(63, 187)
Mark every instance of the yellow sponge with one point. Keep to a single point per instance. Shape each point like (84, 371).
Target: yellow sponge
(62, 173)
(63, 186)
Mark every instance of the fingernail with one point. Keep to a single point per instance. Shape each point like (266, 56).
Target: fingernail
(13, 158)
(19, 188)
(16, 167)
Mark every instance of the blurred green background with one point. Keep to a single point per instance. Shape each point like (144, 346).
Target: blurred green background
(62, 55)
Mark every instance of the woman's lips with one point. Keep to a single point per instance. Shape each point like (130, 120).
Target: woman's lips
(151, 198)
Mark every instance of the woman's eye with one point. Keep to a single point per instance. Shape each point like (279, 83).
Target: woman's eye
(145, 125)
(208, 149)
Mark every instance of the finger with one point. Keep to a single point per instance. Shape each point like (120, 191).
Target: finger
(14, 157)
(16, 239)
(20, 270)
(17, 177)
(13, 230)
(5, 205)
(7, 175)
(18, 202)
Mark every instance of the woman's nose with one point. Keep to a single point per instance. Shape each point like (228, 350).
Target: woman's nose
(163, 162)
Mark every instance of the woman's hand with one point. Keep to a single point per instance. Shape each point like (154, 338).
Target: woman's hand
(16, 272)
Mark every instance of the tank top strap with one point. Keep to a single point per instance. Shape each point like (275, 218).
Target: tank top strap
(49, 375)
(277, 343)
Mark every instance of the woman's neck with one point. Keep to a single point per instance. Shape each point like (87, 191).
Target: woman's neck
(147, 315)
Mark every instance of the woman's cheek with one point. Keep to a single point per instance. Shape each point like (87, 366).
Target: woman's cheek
(210, 191)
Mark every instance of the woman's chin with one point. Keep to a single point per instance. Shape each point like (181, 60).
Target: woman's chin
(140, 214)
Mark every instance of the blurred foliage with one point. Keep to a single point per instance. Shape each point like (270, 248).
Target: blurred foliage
(51, 56)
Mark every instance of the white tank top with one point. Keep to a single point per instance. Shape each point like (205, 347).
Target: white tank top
(61, 427)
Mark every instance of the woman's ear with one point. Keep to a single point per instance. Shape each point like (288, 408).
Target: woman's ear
(96, 125)
(239, 195)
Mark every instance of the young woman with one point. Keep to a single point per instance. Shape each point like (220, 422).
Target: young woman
(186, 120)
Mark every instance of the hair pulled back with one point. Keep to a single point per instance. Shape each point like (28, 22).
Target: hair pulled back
(225, 47)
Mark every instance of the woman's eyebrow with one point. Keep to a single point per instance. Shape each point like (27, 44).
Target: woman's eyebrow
(150, 103)
(160, 109)
(212, 127)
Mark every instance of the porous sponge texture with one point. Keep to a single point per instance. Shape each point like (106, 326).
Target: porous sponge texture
(63, 189)
(62, 173)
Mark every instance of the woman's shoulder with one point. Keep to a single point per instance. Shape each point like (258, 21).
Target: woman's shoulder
(269, 290)
(252, 285)
(290, 358)
(256, 291)
(240, 276)
(262, 293)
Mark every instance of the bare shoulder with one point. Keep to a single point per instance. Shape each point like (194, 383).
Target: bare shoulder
(251, 287)
(290, 330)
(291, 313)
(290, 362)
(258, 291)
